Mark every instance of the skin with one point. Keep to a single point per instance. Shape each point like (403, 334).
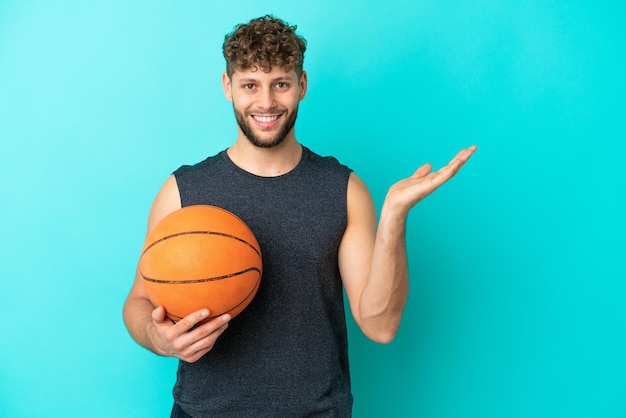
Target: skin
(372, 256)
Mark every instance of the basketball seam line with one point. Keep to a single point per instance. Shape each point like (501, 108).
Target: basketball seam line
(209, 279)
(248, 296)
(222, 234)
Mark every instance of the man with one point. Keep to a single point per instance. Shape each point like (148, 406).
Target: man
(286, 354)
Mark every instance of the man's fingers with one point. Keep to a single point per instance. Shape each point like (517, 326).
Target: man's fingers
(192, 320)
(457, 162)
(464, 155)
(191, 337)
(210, 327)
(205, 336)
(195, 343)
(448, 170)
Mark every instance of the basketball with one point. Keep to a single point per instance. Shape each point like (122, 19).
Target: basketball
(201, 257)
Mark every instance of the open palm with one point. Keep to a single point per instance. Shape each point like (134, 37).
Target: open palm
(408, 192)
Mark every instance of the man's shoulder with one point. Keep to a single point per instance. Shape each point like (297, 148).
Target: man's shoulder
(205, 164)
(328, 162)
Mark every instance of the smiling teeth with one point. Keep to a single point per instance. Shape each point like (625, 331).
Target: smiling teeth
(266, 118)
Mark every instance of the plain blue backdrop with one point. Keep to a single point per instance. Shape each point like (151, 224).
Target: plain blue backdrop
(518, 296)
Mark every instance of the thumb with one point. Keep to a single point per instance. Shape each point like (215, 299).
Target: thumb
(422, 171)
(158, 315)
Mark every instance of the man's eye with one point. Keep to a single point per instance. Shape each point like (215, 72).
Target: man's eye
(248, 86)
(282, 85)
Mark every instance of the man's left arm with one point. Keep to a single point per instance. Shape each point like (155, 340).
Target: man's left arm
(372, 257)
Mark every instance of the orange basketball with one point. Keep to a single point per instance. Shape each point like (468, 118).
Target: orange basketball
(201, 257)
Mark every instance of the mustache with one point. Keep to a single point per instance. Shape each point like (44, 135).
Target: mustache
(266, 113)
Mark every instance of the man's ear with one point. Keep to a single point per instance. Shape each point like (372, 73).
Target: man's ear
(304, 83)
(227, 86)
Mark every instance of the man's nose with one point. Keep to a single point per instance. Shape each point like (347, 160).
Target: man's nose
(267, 100)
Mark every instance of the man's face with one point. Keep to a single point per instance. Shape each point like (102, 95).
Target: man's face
(265, 104)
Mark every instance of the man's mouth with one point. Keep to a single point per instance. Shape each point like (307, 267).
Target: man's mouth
(265, 121)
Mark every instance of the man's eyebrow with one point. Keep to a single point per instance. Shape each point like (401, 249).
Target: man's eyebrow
(274, 80)
(284, 77)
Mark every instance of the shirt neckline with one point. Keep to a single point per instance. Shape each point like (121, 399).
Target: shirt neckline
(226, 158)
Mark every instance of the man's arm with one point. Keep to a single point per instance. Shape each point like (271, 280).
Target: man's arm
(372, 259)
(148, 326)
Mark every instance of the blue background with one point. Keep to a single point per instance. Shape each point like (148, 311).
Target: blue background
(517, 304)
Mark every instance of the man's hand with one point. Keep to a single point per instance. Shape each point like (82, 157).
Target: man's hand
(406, 193)
(190, 338)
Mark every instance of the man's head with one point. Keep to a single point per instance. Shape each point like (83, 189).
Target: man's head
(262, 44)
(264, 79)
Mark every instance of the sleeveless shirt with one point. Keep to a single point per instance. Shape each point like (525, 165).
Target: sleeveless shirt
(286, 354)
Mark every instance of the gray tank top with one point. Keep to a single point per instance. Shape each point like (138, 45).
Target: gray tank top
(286, 355)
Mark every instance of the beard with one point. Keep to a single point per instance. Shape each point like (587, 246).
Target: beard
(266, 143)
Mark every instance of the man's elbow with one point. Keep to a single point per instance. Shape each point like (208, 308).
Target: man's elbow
(381, 335)
(385, 338)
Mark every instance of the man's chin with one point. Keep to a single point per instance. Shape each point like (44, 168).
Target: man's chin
(264, 142)
(265, 139)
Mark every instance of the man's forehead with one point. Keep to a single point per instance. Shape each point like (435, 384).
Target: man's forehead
(257, 73)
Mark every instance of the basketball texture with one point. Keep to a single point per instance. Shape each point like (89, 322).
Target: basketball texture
(201, 257)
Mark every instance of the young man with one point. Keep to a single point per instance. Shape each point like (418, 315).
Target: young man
(286, 355)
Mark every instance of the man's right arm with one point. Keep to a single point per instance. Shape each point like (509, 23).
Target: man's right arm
(148, 325)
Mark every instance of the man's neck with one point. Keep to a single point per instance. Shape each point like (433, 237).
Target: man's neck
(266, 162)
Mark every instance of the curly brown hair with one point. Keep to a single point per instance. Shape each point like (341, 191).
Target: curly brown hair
(264, 43)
